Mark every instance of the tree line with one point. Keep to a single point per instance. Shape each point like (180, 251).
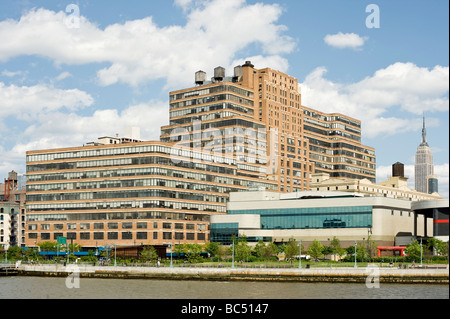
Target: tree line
(244, 252)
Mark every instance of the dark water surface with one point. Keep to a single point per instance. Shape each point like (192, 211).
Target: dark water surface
(56, 288)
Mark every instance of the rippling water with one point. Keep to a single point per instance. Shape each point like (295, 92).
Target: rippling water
(55, 288)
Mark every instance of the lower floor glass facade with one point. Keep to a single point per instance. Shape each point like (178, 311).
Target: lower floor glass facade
(224, 232)
(313, 218)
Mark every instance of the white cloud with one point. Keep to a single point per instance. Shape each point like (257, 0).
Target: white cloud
(411, 88)
(11, 74)
(27, 101)
(63, 75)
(275, 62)
(58, 130)
(345, 40)
(139, 51)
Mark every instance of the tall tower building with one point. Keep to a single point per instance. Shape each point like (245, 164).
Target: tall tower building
(423, 163)
(253, 116)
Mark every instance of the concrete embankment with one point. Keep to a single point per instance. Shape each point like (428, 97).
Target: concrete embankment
(351, 275)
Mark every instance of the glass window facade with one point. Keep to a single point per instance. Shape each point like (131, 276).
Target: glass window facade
(223, 232)
(313, 218)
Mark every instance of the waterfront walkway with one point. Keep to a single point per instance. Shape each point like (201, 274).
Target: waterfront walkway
(338, 274)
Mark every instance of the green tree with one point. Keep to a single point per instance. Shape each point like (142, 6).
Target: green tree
(75, 247)
(148, 254)
(265, 251)
(336, 248)
(48, 246)
(291, 249)
(222, 251)
(212, 248)
(31, 254)
(242, 250)
(90, 257)
(315, 250)
(371, 247)
(270, 250)
(361, 251)
(180, 249)
(440, 247)
(193, 252)
(14, 252)
(413, 250)
(259, 248)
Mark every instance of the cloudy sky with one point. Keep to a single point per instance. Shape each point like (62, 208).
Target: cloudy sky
(71, 71)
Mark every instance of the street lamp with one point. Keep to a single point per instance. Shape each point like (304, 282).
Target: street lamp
(171, 254)
(171, 247)
(421, 252)
(232, 260)
(356, 266)
(115, 255)
(300, 255)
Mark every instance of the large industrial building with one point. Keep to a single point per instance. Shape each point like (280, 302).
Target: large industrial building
(127, 193)
(226, 134)
(323, 215)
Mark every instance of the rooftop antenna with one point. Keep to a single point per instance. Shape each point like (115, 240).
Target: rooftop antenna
(424, 132)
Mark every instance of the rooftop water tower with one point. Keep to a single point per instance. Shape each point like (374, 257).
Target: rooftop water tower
(200, 77)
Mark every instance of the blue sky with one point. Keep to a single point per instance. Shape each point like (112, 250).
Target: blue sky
(65, 84)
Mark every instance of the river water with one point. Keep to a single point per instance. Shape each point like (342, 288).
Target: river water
(92, 288)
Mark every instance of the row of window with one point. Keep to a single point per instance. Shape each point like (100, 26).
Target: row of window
(131, 183)
(111, 151)
(171, 160)
(211, 90)
(195, 176)
(333, 125)
(331, 133)
(115, 225)
(345, 168)
(127, 205)
(45, 197)
(204, 117)
(117, 216)
(211, 107)
(348, 160)
(232, 127)
(115, 236)
(11, 210)
(331, 118)
(211, 99)
(340, 145)
(115, 151)
(343, 152)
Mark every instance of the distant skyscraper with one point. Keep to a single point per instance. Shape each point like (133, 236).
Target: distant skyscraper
(423, 164)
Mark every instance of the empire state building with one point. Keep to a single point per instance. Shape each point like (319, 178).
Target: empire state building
(423, 163)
